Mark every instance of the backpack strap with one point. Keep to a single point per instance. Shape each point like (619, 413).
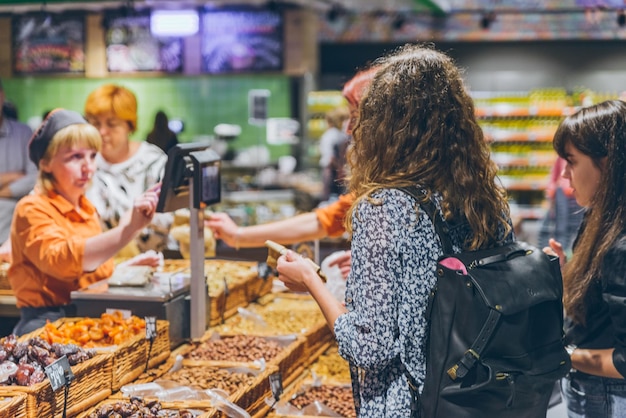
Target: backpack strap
(433, 213)
(471, 356)
(473, 353)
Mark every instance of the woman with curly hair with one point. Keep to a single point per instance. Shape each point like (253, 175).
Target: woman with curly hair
(416, 128)
(593, 144)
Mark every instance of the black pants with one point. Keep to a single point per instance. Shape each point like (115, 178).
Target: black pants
(35, 318)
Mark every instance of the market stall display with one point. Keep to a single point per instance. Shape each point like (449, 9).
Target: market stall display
(124, 338)
(13, 405)
(90, 382)
(281, 314)
(285, 352)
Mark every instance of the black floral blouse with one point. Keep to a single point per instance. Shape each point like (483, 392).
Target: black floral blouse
(394, 254)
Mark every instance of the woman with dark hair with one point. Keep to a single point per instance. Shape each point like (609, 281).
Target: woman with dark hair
(415, 128)
(593, 143)
(161, 135)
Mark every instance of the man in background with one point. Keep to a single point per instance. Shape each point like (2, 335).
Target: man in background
(17, 172)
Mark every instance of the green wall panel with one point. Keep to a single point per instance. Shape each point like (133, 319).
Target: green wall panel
(201, 102)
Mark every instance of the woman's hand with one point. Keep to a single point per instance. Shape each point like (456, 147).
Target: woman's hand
(144, 208)
(5, 251)
(295, 271)
(223, 227)
(556, 249)
(344, 262)
(150, 258)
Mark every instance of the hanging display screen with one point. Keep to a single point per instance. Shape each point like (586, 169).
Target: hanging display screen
(49, 43)
(241, 40)
(131, 46)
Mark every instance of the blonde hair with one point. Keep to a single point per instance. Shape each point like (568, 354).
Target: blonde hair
(116, 99)
(69, 136)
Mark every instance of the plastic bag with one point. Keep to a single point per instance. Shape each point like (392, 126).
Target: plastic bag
(335, 281)
(7, 369)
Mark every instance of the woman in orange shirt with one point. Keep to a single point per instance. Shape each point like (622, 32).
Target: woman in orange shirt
(57, 243)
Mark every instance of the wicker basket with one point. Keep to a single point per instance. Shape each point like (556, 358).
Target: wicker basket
(203, 411)
(129, 358)
(317, 334)
(301, 387)
(13, 406)
(91, 384)
(223, 303)
(290, 361)
(251, 398)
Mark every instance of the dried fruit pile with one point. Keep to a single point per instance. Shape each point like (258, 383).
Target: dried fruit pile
(137, 408)
(109, 329)
(32, 356)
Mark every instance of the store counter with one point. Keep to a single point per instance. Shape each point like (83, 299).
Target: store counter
(164, 296)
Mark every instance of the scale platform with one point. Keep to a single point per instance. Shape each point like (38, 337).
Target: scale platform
(164, 296)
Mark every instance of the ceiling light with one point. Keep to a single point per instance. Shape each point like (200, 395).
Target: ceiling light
(174, 22)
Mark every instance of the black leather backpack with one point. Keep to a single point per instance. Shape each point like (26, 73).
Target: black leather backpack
(495, 342)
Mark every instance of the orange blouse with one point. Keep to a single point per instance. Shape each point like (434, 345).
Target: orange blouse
(47, 243)
(332, 217)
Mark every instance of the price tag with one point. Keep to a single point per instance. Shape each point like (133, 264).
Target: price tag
(276, 384)
(151, 329)
(59, 373)
(125, 312)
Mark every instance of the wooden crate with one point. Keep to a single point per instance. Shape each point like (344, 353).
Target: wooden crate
(13, 406)
(91, 384)
(129, 358)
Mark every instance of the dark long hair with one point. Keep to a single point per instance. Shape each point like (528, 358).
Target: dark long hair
(417, 125)
(599, 132)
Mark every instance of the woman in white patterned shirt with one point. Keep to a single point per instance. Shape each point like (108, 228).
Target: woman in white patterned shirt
(125, 168)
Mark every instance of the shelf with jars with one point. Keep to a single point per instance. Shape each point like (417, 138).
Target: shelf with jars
(520, 127)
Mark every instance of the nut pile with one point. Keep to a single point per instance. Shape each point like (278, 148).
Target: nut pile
(241, 348)
(284, 316)
(332, 366)
(137, 408)
(338, 398)
(211, 378)
(218, 272)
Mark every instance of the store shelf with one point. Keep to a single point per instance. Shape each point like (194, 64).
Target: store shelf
(520, 127)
